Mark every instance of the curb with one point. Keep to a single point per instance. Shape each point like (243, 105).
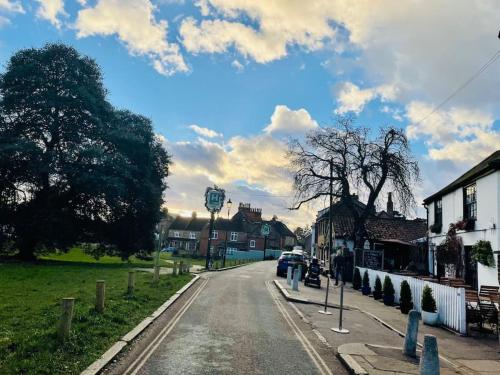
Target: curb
(229, 268)
(118, 346)
(351, 365)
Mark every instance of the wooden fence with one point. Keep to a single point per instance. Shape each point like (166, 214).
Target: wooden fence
(450, 301)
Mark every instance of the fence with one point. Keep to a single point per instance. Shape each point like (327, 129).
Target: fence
(253, 254)
(450, 301)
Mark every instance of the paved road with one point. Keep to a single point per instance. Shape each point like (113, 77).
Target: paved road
(236, 323)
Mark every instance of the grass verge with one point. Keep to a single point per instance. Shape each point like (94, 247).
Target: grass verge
(30, 310)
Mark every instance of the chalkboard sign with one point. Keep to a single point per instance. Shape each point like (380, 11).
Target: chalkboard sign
(373, 259)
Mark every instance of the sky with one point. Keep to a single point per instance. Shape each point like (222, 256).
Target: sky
(228, 82)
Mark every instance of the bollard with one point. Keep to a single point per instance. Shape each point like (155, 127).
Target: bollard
(131, 283)
(174, 270)
(188, 268)
(410, 346)
(68, 305)
(340, 329)
(429, 361)
(289, 275)
(300, 271)
(156, 275)
(295, 281)
(181, 267)
(100, 295)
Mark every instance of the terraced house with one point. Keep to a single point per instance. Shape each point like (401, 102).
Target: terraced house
(184, 233)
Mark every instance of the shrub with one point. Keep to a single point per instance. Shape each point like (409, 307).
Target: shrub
(356, 279)
(405, 300)
(366, 280)
(388, 287)
(377, 292)
(482, 253)
(428, 301)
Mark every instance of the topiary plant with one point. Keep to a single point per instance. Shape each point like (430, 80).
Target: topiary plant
(388, 291)
(366, 290)
(377, 292)
(428, 301)
(405, 300)
(356, 279)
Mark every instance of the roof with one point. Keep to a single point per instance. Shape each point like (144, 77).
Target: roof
(194, 224)
(228, 225)
(491, 163)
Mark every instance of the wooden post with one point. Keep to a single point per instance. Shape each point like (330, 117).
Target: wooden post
(156, 275)
(100, 295)
(174, 271)
(68, 305)
(131, 283)
(181, 268)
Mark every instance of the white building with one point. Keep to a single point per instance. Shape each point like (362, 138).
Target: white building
(475, 199)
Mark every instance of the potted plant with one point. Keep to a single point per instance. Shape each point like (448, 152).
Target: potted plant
(388, 291)
(377, 291)
(366, 290)
(405, 301)
(429, 314)
(436, 228)
(356, 279)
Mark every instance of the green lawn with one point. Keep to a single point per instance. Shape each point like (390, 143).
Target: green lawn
(169, 256)
(30, 309)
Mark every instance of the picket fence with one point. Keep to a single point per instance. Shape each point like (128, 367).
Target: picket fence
(450, 301)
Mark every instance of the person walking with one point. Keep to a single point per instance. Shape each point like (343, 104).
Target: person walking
(338, 262)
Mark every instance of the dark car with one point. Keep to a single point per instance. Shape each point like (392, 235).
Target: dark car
(288, 258)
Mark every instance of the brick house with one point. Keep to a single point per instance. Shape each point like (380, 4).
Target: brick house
(184, 233)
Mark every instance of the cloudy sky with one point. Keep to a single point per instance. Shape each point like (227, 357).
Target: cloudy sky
(227, 82)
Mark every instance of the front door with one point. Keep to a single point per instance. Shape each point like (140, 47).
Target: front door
(470, 268)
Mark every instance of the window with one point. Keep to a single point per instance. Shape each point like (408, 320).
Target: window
(470, 203)
(438, 212)
(234, 236)
(192, 235)
(176, 234)
(215, 235)
(252, 243)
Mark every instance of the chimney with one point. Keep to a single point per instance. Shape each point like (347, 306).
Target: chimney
(390, 205)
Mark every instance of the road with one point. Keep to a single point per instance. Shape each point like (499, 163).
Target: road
(233, 322)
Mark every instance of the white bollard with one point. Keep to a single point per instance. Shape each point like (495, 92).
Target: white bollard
(295, 281)
(289, 275)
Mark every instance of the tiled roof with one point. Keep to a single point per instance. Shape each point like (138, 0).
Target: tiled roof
(189, 223)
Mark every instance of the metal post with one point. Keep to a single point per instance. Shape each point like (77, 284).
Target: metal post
(210, 230)
(265, 245)
(340, 329)
(289, 275)
(295, 281)
(330, 242)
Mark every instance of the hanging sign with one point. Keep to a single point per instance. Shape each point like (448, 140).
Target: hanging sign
(214, 199)
(265, 229)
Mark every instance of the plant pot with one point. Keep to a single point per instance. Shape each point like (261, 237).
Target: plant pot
(366, 290)
(430, 318)
(377, 295)
(405, 309)
(389, 300)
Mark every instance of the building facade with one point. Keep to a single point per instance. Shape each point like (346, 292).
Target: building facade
(473, 201)
(184, 233)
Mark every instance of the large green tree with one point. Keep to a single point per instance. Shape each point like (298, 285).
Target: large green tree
(72, 168)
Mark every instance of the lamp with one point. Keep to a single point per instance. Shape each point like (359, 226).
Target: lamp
(229, 205)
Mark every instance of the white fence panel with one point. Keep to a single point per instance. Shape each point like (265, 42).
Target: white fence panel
(450, 301)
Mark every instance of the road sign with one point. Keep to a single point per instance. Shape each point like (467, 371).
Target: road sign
(366, 245)
(214, 199)
(265, 229)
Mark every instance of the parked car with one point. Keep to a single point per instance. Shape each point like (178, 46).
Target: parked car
(169, 249)
(288, 258)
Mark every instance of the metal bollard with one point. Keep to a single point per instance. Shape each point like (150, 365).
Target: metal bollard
(68, 305)
(429, 361)
(295, 281)
(300, 272)
(340, 329)
(289, 275)
(410, 345)
(100, 295)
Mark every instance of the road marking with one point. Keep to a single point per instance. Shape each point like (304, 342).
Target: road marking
(313, 354)
(153, 345)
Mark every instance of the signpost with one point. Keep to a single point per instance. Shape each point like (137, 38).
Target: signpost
(214, 200)
(265, 230)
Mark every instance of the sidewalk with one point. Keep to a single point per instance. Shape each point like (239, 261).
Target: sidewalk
(371, 322)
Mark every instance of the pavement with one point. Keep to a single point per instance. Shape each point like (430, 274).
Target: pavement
(232, 322)
(376, 335)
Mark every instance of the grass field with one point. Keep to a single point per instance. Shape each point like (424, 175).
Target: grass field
(169, 256)
(30, 309)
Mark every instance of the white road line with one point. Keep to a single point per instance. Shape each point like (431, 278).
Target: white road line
(313, 354)
(153, 345)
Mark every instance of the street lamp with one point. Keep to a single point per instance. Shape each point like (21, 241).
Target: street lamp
(229, 204)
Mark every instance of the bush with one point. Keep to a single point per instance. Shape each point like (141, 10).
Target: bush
(428, 301)
(482, 253)
(388, 287)
(377, 292)
(356, 279)
(366, 280)
(405, 300)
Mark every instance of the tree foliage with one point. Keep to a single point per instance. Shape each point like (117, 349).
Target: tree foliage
(72, 168)
(358, 162)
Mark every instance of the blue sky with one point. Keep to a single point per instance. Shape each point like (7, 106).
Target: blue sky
(227, 81)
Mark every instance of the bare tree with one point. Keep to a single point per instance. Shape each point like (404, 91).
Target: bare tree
(349, 159)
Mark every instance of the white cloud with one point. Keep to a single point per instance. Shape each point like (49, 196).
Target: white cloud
(458, 135)
(50, 10)
(11, 6)
(285, 121)
(205, 132)
(134, 23)
(237, 65)
(353, 99)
